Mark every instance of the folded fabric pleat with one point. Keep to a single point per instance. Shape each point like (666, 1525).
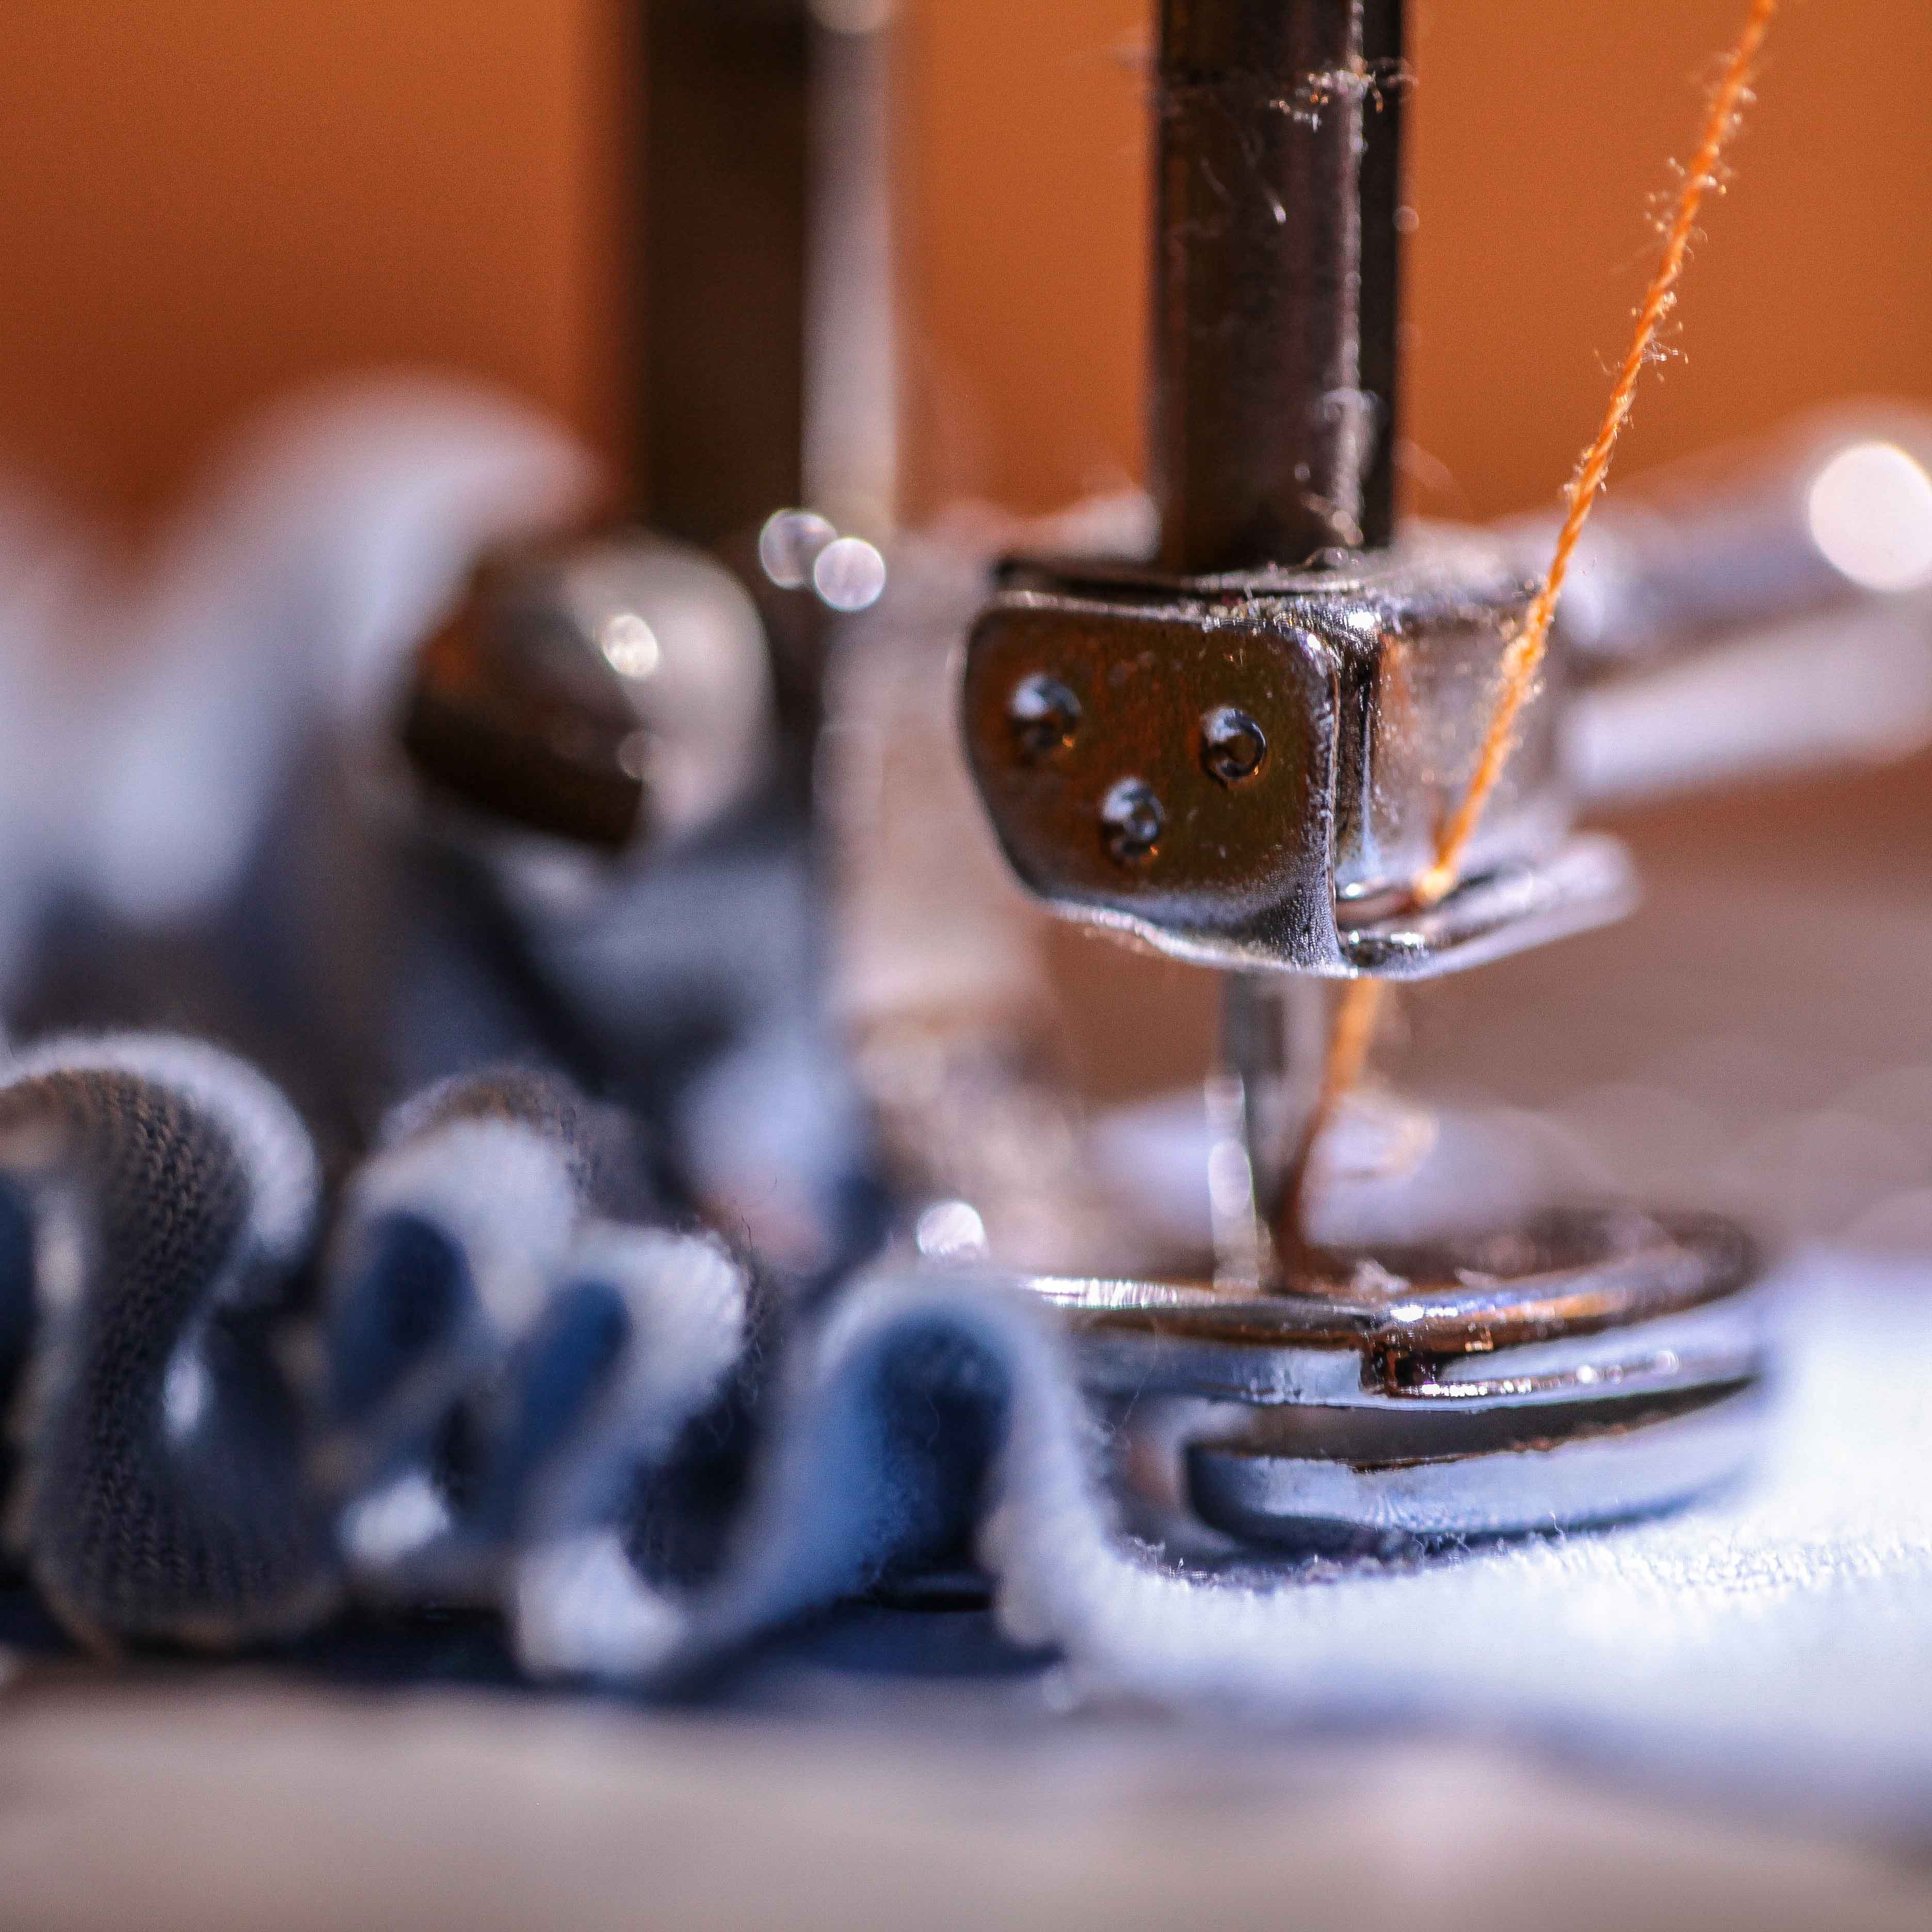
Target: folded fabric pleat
(501, 1302)
(160, 1199)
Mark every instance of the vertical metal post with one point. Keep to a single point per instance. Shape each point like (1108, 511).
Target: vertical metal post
(722, 153)
(1266, 1081)
(851, 469)
(1276, 260)
(1276, 286)
(764, 313)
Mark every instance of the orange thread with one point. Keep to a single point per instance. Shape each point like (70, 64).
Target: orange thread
(1361, 1005)
(1524, 657)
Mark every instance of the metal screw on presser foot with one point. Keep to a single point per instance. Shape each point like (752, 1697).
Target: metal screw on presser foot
(1240, 756)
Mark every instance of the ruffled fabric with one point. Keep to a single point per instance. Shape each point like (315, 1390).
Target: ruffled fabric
(514, 1384)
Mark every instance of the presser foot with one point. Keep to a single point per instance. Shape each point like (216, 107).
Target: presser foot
(1589, 1366)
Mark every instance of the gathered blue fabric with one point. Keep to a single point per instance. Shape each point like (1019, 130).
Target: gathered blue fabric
(478, 1382)
(161, 1202)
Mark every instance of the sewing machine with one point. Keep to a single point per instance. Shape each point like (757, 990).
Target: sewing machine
(1233, 747)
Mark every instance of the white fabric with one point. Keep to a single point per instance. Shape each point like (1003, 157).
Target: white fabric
(1775, 1643)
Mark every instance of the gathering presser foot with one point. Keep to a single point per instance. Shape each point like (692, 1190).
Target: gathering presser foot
(1553, 1366)
(1241, 757)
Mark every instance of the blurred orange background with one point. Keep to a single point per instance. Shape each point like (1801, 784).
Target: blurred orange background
(206, 201)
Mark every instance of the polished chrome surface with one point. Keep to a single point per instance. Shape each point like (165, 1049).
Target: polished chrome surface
(1598, 1463)
(608, 690)
(1585, 1367)
(1248, 772)
(1407, 1317)
(1833, 513)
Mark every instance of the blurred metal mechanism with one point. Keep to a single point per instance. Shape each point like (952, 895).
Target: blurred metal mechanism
(939, 982)
(721, 144)
(1765, 610)
(760, 151)
(617, 732)
(1241, 758)
(606, 691)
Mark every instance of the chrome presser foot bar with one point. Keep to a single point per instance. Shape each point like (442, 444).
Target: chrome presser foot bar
(1239, 756)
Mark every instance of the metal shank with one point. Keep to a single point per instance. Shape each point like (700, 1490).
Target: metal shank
(1277, 193)
(1356, 699)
